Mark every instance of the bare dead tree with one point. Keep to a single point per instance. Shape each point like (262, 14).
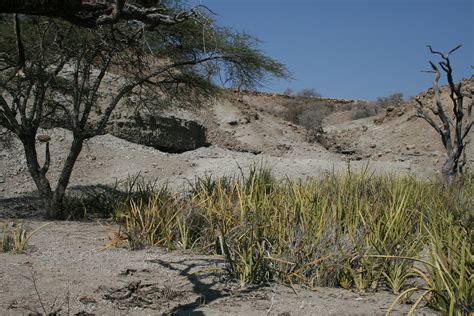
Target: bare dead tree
(453, 129)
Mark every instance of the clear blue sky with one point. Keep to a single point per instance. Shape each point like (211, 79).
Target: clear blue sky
(359, 49)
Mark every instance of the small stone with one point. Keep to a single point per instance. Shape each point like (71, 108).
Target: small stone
(43, 138)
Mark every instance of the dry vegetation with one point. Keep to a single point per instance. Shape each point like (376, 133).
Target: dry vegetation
(355, 231)
(358, 231)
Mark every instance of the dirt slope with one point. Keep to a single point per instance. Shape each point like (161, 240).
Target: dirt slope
(398, 135)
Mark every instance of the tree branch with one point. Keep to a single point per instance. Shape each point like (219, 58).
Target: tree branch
(47, 160)
(19, 43)
(92, 13)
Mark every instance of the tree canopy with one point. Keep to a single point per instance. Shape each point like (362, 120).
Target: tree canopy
(55, 70)
(92, 13)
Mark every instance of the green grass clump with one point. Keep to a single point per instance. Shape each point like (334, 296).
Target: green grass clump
(14, 237)
(356, 231)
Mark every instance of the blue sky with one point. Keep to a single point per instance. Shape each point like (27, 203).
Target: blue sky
(359, 49)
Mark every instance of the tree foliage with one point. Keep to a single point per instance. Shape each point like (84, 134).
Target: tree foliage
(392, 100)
(54, 71)
(309, 93)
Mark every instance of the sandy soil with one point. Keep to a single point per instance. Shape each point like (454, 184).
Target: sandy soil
(68, 268)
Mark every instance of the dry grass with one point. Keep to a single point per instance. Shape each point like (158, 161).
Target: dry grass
(14, 237)
(357, 231)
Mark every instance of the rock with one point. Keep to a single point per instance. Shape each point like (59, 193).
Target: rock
(378, 121)
(43, 138)
(390, 109)
(168, 134)
(373, 146)
(233, 122)
(348, 151)
(284, 147)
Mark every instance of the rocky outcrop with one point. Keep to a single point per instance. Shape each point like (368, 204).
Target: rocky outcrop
(169, 134)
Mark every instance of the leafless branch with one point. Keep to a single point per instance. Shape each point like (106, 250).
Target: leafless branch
(19, 43)
(453, 133)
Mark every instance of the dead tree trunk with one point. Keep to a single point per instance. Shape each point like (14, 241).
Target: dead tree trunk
(452, 130)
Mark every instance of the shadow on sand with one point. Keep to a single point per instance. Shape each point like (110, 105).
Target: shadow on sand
(208, 288)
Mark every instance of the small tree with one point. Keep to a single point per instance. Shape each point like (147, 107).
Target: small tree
(288, 92)
(51, 70)
(392, 100)
(309, 93)
(453, 129)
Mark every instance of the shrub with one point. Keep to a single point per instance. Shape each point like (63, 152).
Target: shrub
(15, 237)
(309, 93)
(308, 115)
(393, 100)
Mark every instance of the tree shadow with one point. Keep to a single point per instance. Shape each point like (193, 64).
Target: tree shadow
(24, 206)
(205, 290)
(99, 200)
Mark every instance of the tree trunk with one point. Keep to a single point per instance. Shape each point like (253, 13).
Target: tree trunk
(42, 183)
(52, 200)
(450, 170)
(56, 209)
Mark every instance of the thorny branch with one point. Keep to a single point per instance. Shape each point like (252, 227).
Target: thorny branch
(92, 13)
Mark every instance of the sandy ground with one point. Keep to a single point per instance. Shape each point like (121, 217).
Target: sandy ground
(69, 267)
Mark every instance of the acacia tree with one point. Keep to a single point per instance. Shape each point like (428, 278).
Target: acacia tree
(92, 13)
(51, 70)
(453, 129)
